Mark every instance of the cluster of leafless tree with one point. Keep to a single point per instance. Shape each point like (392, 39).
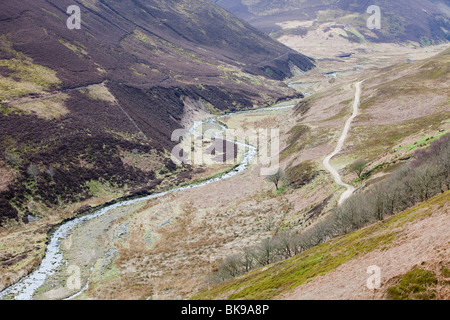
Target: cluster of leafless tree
(424, 177)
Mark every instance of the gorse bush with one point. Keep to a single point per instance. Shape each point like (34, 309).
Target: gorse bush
(426, 176)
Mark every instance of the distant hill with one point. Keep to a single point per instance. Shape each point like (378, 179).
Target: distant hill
(423, 21)
(79, 108)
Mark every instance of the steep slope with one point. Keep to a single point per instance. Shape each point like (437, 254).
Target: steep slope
(338, 268)
(425, 21)
(84, 111)
(180, 38)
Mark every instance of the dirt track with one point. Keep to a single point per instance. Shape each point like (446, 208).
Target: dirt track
(326, 161)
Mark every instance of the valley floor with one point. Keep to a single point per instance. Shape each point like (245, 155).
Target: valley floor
(167, 248)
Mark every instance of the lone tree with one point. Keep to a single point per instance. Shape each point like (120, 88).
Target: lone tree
(33, 170)
(277, 178)
(358, 167)
(51, 172)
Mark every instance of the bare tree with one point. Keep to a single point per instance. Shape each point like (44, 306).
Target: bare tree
(277, 178)
(419, 180)
(285, 244)
(298, 242)
(424, 182)
(33, 170)
(378, 201)
(248, 259)
(231, 265)
(270, 222)
(265, 252)
(51, 172)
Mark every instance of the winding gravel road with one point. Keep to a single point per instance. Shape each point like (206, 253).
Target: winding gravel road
(326, 162)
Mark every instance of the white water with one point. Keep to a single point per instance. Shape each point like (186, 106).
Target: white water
(26, 288)
(326, 161)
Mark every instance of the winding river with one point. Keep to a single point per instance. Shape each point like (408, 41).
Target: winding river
(26, 288)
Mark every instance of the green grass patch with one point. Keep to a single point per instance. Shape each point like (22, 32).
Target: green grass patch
(371, 141)
(423, 142)
(286, 275)
(344, 111)
(296, 132)
(445, 272)
(25, 78)
(268, 71)
(51, 13)
(78, 48)
(282, 189)
(5, 110)
(99, 189)
(415, 285)
(356, 33)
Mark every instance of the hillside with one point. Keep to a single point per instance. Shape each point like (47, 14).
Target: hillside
(421, 21)
(404, 109)
(179, 245)
(411, 250)
(400, 106)
(89, 113)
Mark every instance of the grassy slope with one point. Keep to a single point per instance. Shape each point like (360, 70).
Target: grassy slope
(417, 89)
(375, 140)
(274, 280)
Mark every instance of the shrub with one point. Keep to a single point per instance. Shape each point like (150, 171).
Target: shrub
(33, 170)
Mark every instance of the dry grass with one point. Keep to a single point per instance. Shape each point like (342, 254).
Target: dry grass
(21, 252)
(176, 241)
(187, 248)
(26, 77)
(99, 92)
(143, 161)
(49, 109)
(6, 176)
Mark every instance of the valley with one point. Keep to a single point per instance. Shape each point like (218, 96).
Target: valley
(164, 247)
(93, 206)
